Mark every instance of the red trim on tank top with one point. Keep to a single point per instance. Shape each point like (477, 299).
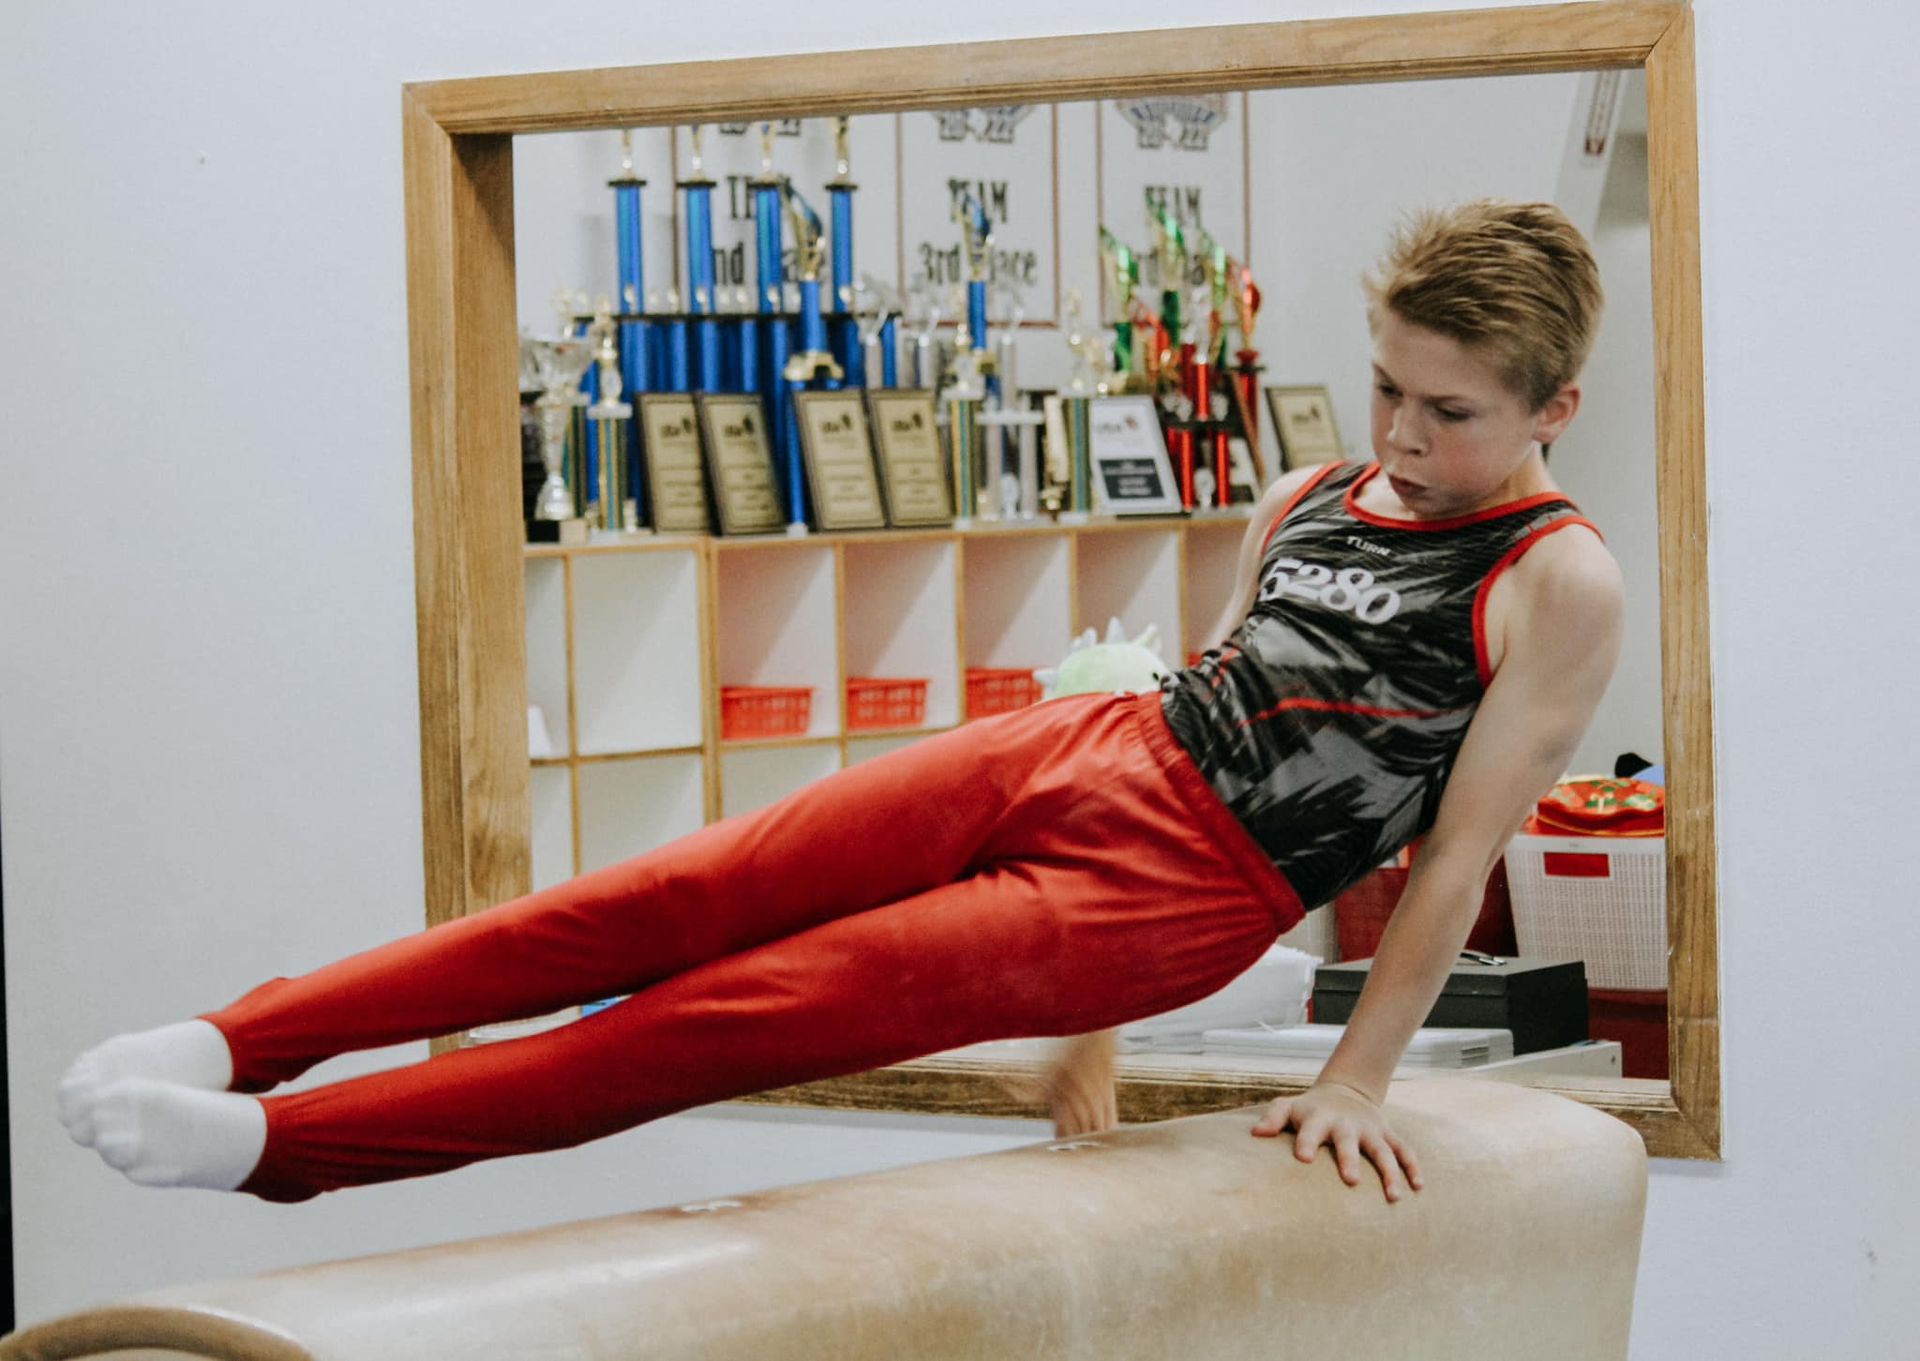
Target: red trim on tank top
(1294, 500)
(1481, 660)
(1336, 706)
(1359, 512)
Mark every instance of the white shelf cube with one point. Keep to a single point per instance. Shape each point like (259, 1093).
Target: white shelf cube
(777, 604)
(752, 779)
(1213, 560)
(866, 748)
(1133, 575)
(900, 603)
(552, 831)
(1019, 600)
(636, 648)
(635, 805)
(547, 648)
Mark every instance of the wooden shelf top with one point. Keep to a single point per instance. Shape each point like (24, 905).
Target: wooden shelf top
(979, 531)
(638, 754)
(731, 744)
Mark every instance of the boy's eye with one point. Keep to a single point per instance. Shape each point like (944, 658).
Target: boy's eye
(1447, 415)
(1387, 390)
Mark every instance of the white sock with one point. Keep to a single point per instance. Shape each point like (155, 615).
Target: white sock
(187, 1053)
(161, 1134)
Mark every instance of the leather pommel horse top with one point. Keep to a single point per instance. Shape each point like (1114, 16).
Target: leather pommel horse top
(1185, 1239)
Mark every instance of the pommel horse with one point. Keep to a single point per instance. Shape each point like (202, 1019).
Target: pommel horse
(1183, 1239)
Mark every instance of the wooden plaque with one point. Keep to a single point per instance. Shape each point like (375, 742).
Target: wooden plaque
(1303, 422)
(675, 468)
(912, 456)
(838, 453)
(740, 462)
(1132, 474)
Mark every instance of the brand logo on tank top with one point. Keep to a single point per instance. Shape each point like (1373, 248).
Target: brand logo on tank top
(1366, 547)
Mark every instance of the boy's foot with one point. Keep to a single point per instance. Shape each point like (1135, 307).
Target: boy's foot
(187, 1054)
(161, 1134)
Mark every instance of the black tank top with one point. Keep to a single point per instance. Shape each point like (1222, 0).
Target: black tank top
(1329, 721)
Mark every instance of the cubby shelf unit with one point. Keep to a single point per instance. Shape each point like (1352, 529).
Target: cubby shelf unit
(629, 644)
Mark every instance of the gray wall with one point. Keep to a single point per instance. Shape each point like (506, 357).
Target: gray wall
(208, 732)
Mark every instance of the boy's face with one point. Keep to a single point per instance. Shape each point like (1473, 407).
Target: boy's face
(1451, 436)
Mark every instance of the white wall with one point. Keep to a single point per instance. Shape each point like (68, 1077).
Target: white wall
(1605, 462)
(208, 734)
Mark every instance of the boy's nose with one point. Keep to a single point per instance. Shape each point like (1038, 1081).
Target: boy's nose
(1406, 434)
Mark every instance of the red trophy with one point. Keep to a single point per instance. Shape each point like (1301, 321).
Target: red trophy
(1246, 368)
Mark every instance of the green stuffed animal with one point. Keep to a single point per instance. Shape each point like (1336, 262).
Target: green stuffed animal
(1113, 666)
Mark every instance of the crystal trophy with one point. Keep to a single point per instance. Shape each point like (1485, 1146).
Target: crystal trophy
(560, 362)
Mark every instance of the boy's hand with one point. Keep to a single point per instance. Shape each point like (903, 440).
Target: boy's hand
(1352, 1124)
(1077, 1087)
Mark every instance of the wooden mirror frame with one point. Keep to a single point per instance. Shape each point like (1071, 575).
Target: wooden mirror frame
(468, 539)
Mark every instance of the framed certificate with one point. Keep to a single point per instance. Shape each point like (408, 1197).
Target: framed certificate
(675, 471)
(912, 456)
(1131, 472)
(838, 452)
(740, 462)
(1303, 423)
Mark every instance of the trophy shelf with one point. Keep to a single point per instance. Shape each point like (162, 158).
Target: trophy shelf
(629, 644)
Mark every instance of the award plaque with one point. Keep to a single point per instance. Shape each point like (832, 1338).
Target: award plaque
(913, 463)
(675, 472)
(1131, 472)
(740, 462)
(1303, 421)
(839, 459)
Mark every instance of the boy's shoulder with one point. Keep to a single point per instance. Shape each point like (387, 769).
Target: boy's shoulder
(1571, 573)
(1566, 586)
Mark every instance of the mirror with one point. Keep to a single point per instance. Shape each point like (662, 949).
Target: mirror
(1301, 184)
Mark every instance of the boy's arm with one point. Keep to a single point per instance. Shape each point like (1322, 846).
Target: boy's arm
(1562, 636)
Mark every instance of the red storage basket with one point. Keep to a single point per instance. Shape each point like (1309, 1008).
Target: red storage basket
(999, 690)
(1361, 912)
(876, 703)
(749, 711)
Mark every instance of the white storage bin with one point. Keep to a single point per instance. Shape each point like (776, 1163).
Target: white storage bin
(1608, 907)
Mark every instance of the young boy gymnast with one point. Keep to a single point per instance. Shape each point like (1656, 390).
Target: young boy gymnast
(1414, 649)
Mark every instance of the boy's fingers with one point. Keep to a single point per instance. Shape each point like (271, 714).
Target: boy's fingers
(1408, 1162)
(1381, 1154)
(1275, 1119)
(1307, 1140)
(1347, 1152)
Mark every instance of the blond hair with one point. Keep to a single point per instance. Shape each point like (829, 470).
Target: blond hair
(1515, 282)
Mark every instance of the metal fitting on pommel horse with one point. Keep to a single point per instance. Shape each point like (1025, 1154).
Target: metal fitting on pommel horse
(1188, 1238)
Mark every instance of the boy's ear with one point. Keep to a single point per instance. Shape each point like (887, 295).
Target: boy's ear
(1551, 421)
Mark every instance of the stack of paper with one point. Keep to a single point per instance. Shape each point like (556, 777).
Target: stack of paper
(1274, 991)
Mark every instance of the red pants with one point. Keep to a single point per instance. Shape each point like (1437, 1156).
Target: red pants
(1055, 871)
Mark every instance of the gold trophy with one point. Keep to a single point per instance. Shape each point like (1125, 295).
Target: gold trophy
(616, 511)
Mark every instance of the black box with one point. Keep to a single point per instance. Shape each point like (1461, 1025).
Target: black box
(1543, 1002)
